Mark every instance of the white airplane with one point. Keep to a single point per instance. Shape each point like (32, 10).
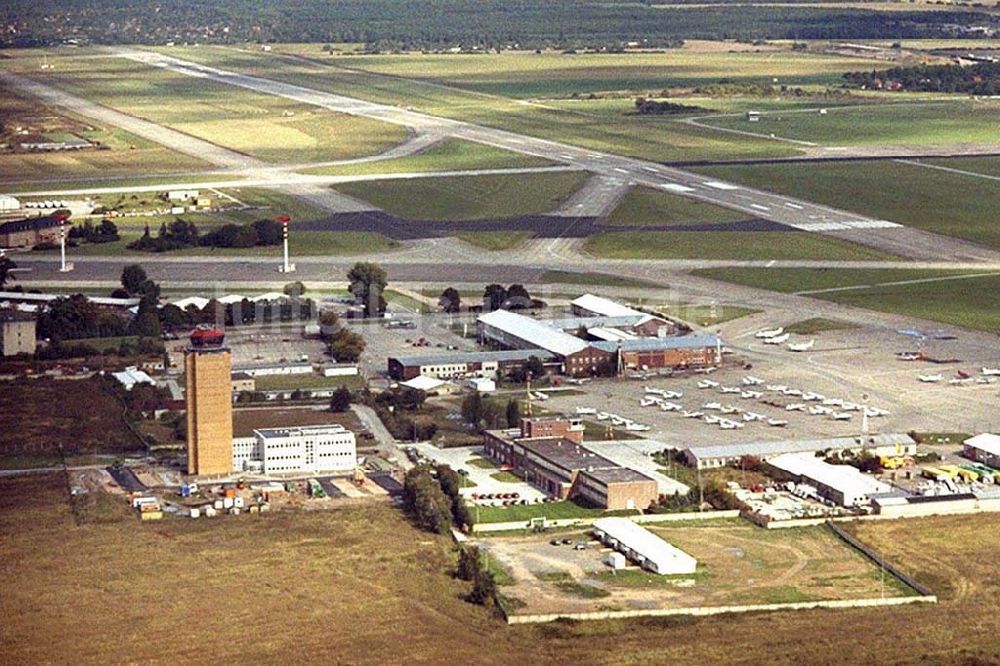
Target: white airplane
(728, 409)
(750, 380)
(578, 382)
(729, 389)
(836, 402)
(693, 415)
(817, 410)
(670, 407)
(770, 333)
(812, 396)
(841, 416)
(777, 340)
(673, 395)
(726, 424)
(777, 388)
(654, 391)
(801, 346)
(753, 416)
(795, 407)
(706, 370)
(603, 416)
(636, 427)
(712, 405)
(791, 391)
(850, 407)
(586, 410)
(707, 383)
(648, 402)
(541, 396)
(711, 419)
(617, 420)
(873, 412)
(991, 372)
(964, 380)
(751, 394)
(930, 379)
(986, 380)
(777, 423)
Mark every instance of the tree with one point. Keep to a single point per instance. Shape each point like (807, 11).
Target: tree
(517, 298)
(493, 297)
(535, 367)
(340, 401)
(294, 289)
(451, 300)
(368, 281)
(133, 275)
(147, 321)
(347, 346)
(483, 589)
(268, 232)
(472, 408)
(513, 413)
(493, 413)
(7, 267)
(468, 563)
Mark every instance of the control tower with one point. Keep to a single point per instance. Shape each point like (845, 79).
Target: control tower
(208, 370)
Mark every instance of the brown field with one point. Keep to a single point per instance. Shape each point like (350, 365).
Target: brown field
(363, 586)
(245, 421)
(737, 564)
(38, 414)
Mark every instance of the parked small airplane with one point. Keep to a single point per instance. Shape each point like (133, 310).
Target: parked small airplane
(791, 391)
(648, 402)
(795, 407)
(770, 333)
(673, 395)
(728, 409)
(801, 346)
(603, 416)
(777, 423)
(707, 383)
(712, 405)
(930, 379)
(711, 419)
(729, 389)
(991, 372)
(586, 410)
(777, 388)
(777, 340)
(750, 395)
(817, 410)
(693, 415)
(836, 402)
(670, 407)
(750, 380)
(841, 416)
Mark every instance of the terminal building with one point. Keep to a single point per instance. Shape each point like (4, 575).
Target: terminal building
(643, 547)
(308, 450)
(601, 345)
(549, 454)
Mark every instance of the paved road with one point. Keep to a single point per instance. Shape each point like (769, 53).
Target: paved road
(778, 208)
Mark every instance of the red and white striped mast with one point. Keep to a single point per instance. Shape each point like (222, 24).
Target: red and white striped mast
(285, 220)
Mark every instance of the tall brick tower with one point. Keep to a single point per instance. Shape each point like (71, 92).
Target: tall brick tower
(208, 369)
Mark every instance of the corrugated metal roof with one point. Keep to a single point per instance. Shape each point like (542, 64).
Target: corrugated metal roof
(573, 323)
(658, 344)
(987, 442)
(843, 478)
(48, 298)
(651, 547)
(778, 447)
(533, 332)
(604, 306)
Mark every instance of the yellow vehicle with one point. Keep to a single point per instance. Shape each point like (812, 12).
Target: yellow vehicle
(891, 462)
(935, 473)
(966, 475)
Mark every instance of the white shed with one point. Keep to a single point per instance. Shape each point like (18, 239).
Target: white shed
(643, 547)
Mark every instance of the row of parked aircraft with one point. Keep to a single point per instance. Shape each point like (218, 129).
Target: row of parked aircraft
(616, 420)
(778, 336)
(988, 376)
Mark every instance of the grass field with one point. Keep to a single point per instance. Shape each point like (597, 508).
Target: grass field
(970, 302)
(468, 197)
(817, 325)
(447, 155)
(928, 199)
(645, 206)
(263, 126)
(594, 279)
(655, 138)
(915, 123)
(126, 153)
(987, 166)
(286, 382)
(704, 315)
(727, 245)
(42, 184)
(82, 588)
(552, 511)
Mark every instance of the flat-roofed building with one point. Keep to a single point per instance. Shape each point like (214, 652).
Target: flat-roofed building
(841, 484)
(307, 449)
(17, 333)
(887, 444)
(984, 448)
(461, 365)
(29, 232)
(643, 547)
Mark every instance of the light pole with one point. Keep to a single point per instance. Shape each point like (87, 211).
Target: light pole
(61, 216)
(284, 220)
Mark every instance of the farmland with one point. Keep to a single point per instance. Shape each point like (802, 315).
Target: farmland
(929, 199)
(467, 197)
(376, 564)
(726, 245)
(970, 302)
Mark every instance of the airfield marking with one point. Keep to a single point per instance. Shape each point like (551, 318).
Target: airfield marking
(960, 172)
(895, 283)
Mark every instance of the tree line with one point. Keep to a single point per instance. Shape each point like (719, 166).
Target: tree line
(181, 234)
(979, 79)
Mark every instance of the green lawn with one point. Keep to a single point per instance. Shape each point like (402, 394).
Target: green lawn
(447, 155)
(468, 197)
(988, 166)
(706, 315)
(405, 301)
(291, 382)
(817, 325)
(552, 511)
(54, 177)
(495, 241)
(645, 206)
(805, 280)
(505, 477)
(728, 245)
(923, 123)
(972, 302)
(271, 203)
(929, 199)
(481, 463)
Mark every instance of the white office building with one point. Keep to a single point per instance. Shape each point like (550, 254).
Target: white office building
(319, 449)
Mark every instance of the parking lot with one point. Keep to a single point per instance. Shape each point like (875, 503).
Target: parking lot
(458, 459)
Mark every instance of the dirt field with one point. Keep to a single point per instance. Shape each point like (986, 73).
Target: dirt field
(245, 421)
(37, 414)
(366, 587)
(737, 564)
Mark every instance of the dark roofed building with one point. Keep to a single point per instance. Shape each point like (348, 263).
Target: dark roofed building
(29, 232)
